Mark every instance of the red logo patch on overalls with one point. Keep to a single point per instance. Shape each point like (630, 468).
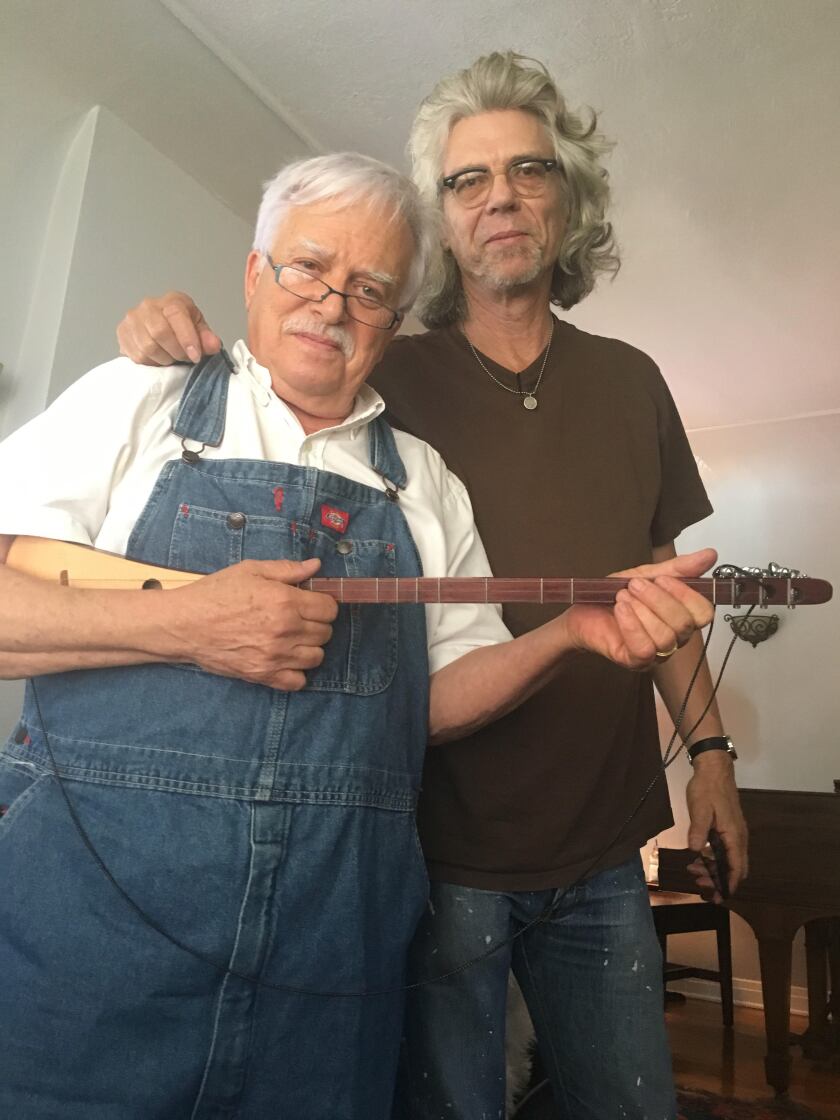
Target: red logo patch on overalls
(278, 497)
(333, 518)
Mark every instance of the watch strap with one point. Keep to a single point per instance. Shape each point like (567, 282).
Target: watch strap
(713, 743)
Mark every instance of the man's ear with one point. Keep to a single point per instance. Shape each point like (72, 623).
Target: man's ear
(253, 271)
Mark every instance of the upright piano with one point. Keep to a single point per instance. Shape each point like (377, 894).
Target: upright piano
(794, 878)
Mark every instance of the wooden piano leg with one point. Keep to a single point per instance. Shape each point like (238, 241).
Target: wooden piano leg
(775, 957)
(816, 1041)
(724, 949)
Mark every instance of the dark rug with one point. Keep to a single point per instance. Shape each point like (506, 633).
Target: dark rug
(538, 1105)
(709, 1106)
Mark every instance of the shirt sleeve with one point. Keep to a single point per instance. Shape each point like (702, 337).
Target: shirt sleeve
(457, 628)
(58, 471)
(682, 498)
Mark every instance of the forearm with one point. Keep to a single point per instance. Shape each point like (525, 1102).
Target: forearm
(488, 683)
(711, 794)
(672, 679)
(48, 628)
(16, 666)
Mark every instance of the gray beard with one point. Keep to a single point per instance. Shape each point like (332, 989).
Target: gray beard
(531, 267)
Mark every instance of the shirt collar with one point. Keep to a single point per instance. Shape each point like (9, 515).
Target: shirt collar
(366, 407)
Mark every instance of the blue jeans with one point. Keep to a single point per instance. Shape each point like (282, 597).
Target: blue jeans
(592, 979)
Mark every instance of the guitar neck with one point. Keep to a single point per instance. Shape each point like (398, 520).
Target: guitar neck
(81, 566)
(561, 591)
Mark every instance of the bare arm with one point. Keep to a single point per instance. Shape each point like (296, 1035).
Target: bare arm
(247, 621)
(712, 795)
(649, 617)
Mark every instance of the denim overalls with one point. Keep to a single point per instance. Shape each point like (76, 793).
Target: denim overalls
(270, 832)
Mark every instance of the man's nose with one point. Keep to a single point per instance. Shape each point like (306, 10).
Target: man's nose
(502, 196)
(334, 308)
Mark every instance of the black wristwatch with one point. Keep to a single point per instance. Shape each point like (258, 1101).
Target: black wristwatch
(713, 743)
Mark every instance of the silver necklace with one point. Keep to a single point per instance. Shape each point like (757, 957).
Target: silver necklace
(529, 396)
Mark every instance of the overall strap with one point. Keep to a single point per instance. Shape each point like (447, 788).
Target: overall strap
(384, 457)
(201, 415)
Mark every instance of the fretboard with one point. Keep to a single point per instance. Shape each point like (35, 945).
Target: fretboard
(736, 591)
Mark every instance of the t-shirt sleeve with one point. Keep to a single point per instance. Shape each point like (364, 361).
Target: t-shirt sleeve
(682, 499)
(57, 472)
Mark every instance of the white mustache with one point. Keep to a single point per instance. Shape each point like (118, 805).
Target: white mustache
(305, 324)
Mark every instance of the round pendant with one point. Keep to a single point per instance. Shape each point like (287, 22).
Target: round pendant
(529, 402)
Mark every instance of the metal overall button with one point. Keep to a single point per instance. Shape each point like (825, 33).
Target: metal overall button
(391, 491)
(188, 454)
(344, 547)
(236, 520)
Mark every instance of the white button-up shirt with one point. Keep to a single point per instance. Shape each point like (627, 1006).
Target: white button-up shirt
(83, 471)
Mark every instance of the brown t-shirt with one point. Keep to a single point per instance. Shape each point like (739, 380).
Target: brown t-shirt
(584, 485)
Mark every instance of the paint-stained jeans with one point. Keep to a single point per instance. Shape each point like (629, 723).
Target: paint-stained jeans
(592, 979)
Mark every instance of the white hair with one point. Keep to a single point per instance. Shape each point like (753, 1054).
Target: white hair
(506, 80)
(349, 177)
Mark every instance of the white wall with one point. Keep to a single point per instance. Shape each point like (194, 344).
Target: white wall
(776, 492)
(142, 225)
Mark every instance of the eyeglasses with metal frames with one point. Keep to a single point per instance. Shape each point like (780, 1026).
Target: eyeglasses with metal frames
(527, 177)
(364, 309)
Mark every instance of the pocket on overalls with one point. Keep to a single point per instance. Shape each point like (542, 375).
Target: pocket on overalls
(20, 785)
(206, 540)
(361, 656)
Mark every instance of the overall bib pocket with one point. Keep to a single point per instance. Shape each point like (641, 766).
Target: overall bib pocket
(361, 657)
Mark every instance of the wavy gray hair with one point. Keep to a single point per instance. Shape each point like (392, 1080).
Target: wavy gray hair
(350, 177)
(506, 80)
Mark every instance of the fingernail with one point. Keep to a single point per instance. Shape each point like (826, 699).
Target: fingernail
(193, 354)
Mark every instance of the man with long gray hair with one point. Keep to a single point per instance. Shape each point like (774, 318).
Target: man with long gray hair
(577, 464)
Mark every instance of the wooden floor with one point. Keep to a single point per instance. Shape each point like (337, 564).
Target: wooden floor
(732, 1063)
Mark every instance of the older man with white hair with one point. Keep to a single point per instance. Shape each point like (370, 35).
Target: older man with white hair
(210, 873)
